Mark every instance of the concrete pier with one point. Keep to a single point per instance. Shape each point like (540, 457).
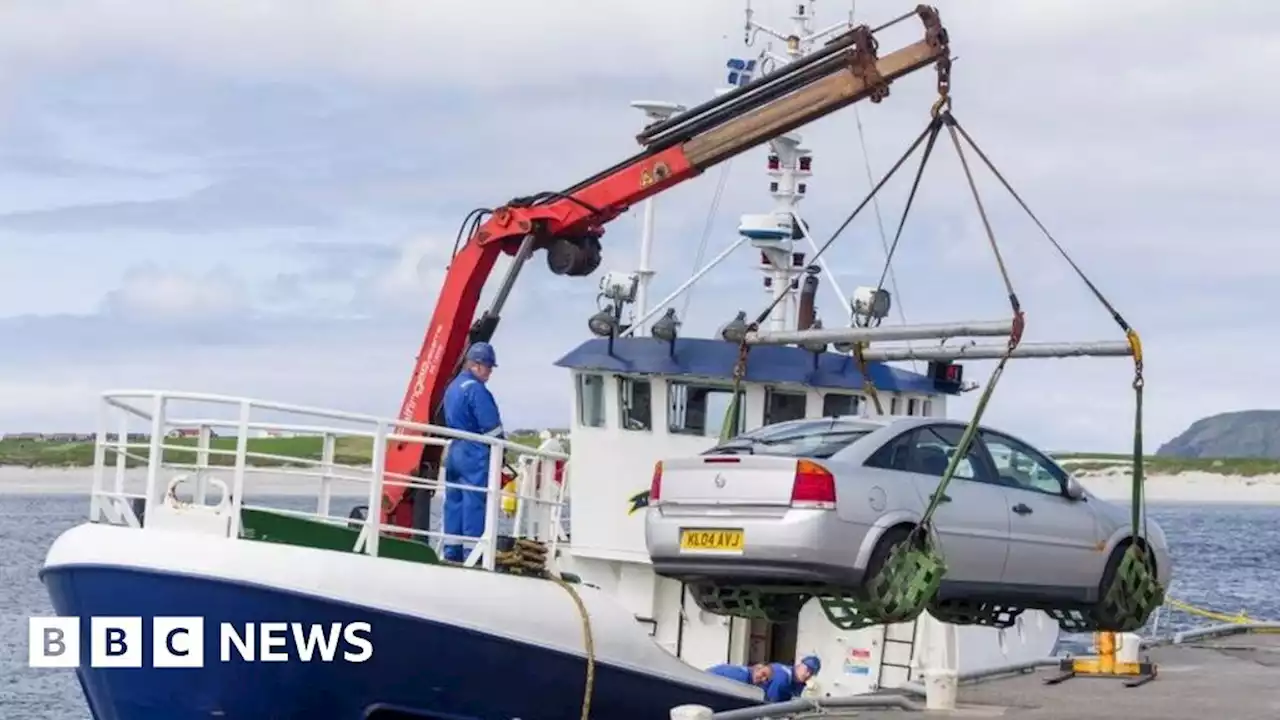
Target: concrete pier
(1236, 677)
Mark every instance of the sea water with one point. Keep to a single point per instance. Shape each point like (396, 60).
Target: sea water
(1226, 558)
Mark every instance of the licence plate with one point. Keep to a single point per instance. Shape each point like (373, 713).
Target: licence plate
(712, 540)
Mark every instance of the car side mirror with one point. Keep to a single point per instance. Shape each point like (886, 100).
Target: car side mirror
(1075, 490)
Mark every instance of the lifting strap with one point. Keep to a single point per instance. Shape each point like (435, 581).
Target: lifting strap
(910, 576)
(1135, 343)
(740, 368)
(934, 127)
(868, 385)
(943, 114)
(729, 428)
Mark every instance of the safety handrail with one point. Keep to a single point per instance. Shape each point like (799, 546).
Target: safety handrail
(113, 397)
(539, 504)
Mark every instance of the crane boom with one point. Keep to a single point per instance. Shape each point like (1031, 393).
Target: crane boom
(568, 224)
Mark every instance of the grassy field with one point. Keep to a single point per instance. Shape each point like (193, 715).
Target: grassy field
(288, 451)
(1099, 462)
(357, 451)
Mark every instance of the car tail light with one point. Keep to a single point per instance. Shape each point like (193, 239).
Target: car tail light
(814, 486)
(655, 485)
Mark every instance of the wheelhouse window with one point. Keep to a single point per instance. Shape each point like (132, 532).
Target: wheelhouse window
(837, 404)
(781, 406)
(635, 399)
(799, 438)
(926, 409)
(912, 405)
(591, 400)
(893, 405)
(694, 409)
(1021, 467)
(927, 450)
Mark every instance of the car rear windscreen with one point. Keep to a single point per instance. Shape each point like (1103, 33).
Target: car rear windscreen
(806, 438)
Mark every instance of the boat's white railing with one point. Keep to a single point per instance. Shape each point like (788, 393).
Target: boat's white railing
(540, 498)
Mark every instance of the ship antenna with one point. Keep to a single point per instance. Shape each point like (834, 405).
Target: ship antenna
(789, 165)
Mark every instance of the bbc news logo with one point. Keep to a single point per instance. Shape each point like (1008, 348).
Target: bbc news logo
(179, 642)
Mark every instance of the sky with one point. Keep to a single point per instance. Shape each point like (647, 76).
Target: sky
(259, 198)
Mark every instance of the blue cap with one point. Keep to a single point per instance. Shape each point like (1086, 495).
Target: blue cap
(813, 663)
(482, 352)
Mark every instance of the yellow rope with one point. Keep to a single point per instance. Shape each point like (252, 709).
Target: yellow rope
(1238, 618)
(589, 644)
(530, 555)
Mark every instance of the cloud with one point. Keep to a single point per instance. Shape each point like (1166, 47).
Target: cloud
(262, 197)
(220, 207)
(150, 293)
(399, 41)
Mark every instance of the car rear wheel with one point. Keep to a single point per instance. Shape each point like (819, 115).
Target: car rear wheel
(892, 538)
(898, 582)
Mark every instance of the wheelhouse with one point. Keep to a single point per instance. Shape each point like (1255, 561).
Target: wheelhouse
(639, 400)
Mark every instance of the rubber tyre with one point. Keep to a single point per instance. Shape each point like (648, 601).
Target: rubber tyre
(892, 537)
(1100, 613)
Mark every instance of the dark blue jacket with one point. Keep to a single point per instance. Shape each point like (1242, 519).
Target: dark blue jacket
(741, 673)
(783, 686)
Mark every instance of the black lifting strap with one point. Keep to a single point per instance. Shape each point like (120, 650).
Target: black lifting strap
(869, 386)
(930, 133)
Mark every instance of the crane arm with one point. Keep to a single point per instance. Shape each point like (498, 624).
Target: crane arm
(568, 224)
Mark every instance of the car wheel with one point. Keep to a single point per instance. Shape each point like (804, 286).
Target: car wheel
(891, 538)
(1103, 613)
(1113, 566)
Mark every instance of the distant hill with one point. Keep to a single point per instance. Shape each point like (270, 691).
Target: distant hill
(1245, 434)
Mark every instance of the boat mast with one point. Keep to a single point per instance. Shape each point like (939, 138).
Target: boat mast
(774, 233)
(789, 166)
(654, 111)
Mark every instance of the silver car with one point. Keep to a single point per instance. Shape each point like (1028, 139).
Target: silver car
(818, 502)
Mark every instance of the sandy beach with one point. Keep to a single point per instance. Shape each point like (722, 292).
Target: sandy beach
(1187, 487)
(1111, 484)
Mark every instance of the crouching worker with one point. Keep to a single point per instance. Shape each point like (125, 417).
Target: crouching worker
(789, 682)
(469, 407)
(758, 675)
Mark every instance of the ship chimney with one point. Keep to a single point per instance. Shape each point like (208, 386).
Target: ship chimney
(808, 289)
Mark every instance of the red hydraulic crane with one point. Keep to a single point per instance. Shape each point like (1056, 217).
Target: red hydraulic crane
(568, 224)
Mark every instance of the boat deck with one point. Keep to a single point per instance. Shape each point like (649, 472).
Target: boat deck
(1236, 677)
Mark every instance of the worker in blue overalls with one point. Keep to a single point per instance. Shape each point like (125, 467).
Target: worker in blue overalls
(469, 407)
(758, 675)
(788, 682)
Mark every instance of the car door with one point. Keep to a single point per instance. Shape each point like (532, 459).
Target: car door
(1055, 542)
(972, 521)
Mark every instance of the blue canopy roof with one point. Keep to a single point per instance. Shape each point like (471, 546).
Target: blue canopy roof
(714, 359)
